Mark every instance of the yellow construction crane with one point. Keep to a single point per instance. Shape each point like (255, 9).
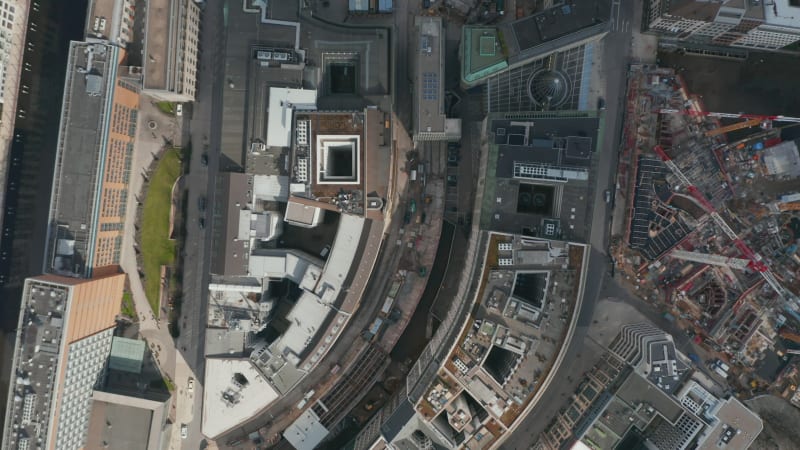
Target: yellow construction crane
(733, 127)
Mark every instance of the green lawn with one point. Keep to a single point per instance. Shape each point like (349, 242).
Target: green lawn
(166, 107)
(128, 308)
(157, 248)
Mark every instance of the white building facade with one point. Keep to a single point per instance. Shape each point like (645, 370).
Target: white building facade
(735, 23)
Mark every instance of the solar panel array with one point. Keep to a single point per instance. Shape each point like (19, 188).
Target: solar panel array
(430, 86)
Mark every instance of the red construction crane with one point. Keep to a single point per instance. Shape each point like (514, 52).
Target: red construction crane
(696, 113)
(756, 263)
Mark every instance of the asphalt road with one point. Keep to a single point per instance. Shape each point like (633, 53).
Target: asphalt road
(615, 58)
(204, 125)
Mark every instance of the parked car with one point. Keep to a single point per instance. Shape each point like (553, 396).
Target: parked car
(325, 251)
(204, 159)
(601, 103)
(179, 109)
(452, 180)
(190, 384)
(184, 431)
(201, 223)
(452, 157)
(608, 196)
(201, 203)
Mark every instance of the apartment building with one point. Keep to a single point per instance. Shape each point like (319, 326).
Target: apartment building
(62, 343)
(95, 146)
(758, 25)
(170, 49)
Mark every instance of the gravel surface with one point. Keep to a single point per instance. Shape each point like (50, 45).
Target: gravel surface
(781, 421)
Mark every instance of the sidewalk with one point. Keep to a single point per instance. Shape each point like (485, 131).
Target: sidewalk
(643, 46)
(149, 142)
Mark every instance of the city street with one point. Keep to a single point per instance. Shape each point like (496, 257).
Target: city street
(611, 86)
(204, 120)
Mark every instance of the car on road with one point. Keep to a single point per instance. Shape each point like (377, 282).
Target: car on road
(190, 384)
(184, 431)
(204, 159)
(179, 109)
(452, 157)
(607, 193)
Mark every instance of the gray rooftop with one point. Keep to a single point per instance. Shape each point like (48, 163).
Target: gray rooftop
(667, 371)
(129, 426)
(225, 342)
(90, 79)
(229, 251)
(560, 26)
(429, 83)
(561, 142)
(38, 344)
(636, 390)
(269, 161)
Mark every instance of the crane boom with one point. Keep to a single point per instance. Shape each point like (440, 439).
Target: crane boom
(714, 260)
(733, 127)
(692, 112)
(754, 259)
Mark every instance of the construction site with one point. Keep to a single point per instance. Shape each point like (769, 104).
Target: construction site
(711, 228)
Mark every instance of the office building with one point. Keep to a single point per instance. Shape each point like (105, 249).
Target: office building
(431, 123)
(13, 24)
(13, 18)
(487, 51)
(758, 25)
(130, 405)
(653, 400)
(170, 49)
(95, 146)
(110, 20)
(63, 340)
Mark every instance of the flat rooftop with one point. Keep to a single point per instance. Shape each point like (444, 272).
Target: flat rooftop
(229, 252)
(111, 20)
(636, 390)
(558, 142)
(245, 97)
(314, 166)
(482, 53)
(158, 36)
(429, 83)
(306, 432)
(38, 341)
(91, 76)
(559, 21)
(354, 65)
(125, 422)
(737, 425)
(234, 392)
(262, 81)
(538, 177)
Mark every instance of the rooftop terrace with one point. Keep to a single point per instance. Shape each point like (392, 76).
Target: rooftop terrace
(482, 53)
